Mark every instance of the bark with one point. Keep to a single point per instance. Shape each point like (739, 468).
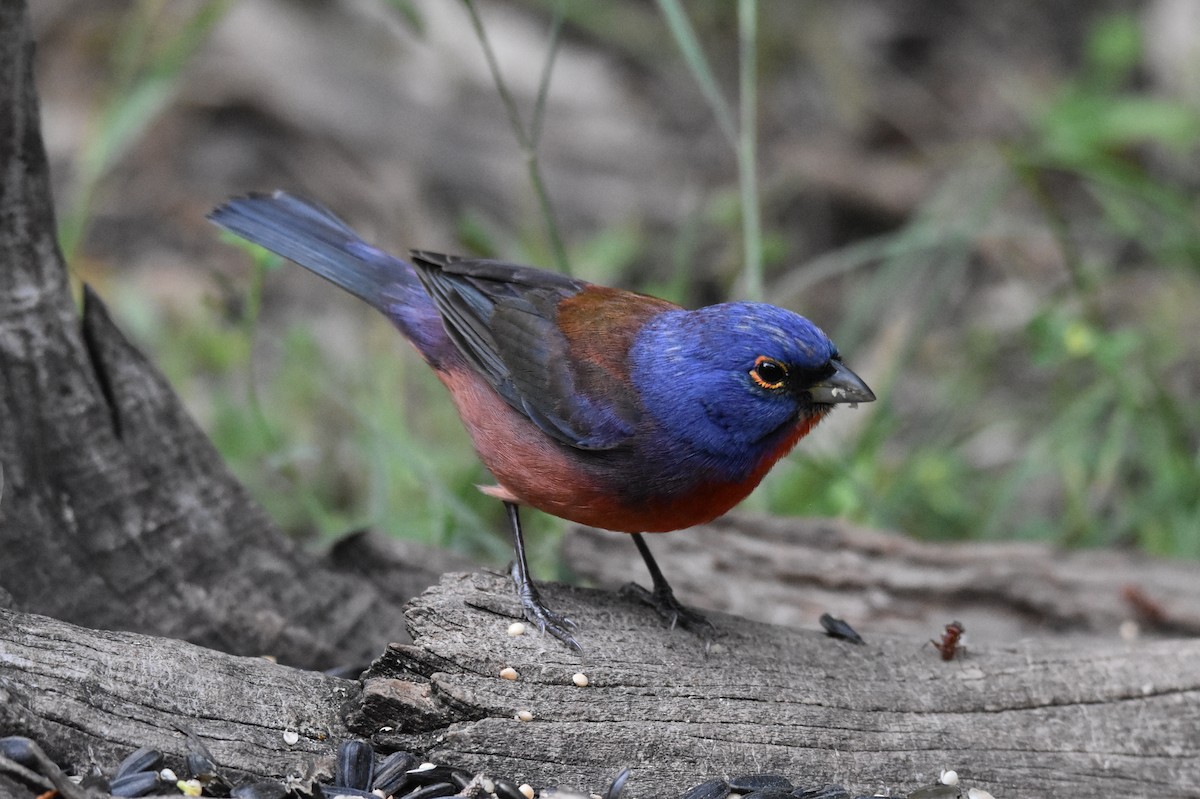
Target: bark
(94, 696)
(1039, 718)
(115, 511)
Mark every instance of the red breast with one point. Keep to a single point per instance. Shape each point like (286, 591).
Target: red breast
(585, 486)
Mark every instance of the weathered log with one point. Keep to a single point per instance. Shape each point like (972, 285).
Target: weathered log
(790, 571)
(84, 694)
(1039, 718)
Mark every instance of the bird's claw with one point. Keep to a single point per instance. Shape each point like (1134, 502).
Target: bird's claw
(546, 620)
(671, 609)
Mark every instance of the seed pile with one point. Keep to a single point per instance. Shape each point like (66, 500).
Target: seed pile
(362, 774)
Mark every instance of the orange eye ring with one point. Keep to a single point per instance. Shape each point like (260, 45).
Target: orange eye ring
(769, 373)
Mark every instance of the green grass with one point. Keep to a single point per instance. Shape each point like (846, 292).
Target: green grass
(153, 47)
(1074, 422)
(1090, 398)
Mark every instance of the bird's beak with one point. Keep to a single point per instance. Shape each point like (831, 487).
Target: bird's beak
(841, 386)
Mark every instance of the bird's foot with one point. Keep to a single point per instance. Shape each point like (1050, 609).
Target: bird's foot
(671, 609)
(546, 620)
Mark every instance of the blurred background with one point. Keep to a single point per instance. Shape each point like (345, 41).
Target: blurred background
(991, 206)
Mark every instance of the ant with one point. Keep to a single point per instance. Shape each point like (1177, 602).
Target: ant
(953, 643)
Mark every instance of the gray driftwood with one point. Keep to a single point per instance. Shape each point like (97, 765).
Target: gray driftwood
(84, 694)
(1041, 718)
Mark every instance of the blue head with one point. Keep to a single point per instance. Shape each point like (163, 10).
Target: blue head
(730, 382)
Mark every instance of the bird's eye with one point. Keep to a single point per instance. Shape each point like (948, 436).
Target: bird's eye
(768, 372)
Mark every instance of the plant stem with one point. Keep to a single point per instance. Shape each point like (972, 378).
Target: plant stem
(747, 147)
(528, 139)
(685, 38)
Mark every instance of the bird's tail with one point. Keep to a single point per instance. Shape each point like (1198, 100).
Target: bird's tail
(320, 242)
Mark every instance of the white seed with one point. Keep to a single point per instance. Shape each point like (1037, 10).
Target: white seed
(526, 789)
(979, 793)
(580, 679)
(290, 737)
(166, 775)
(487, 785)
(949, 777)
(1129, 630)
(509, 673)
(516, 628)
(524, 715)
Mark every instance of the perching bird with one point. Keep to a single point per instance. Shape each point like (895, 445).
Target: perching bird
(597, 405)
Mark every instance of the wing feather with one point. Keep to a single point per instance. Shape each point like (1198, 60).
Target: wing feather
(552, 346)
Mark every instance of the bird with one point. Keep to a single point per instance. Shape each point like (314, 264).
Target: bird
(597, 405)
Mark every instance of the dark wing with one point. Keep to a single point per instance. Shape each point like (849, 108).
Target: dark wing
(552, 346)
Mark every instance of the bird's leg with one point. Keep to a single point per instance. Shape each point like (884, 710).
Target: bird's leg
(662, 598)
(531, 603)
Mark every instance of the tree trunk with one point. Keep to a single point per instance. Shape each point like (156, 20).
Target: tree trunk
(115, 511)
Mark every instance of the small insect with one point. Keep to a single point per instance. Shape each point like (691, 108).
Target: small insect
(837, 628)
(953, 643)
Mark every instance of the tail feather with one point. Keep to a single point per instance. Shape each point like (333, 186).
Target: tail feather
(320, 242)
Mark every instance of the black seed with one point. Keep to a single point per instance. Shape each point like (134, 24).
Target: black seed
(144, 759)
(419, 777)
(20, 749)
(836, 628)
(392, 770)
(266, 789)
(824, 792)
(618, 784)
(713, 789)
(198, 764)
(200, 767)
(760, 782)
(768, 794)
(433, 791)
(508, 790)
(139, 783)
(355, 764)
(449, 774)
